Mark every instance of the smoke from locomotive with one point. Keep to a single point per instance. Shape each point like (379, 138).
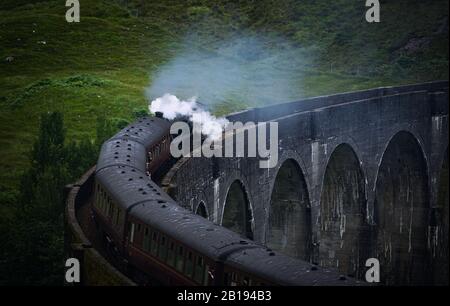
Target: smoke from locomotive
(172, 107)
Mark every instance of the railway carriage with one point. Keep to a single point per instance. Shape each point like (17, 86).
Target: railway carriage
(156, 241)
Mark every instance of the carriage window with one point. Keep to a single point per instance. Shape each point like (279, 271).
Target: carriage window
(138, 227)
(113, 214)
(96, 195)
(96, 203)
(103, 204)
(171, 254)
(247, 281)
(226, 279)
(199, 268)
(154, 245)
(208, 276)
(146, 244)
(180, 258)
(162, 248)
(234, 279)
(111, 208)
(99, 199)
(118, 216)
(102, 198)
(189, 267)
(132, 233)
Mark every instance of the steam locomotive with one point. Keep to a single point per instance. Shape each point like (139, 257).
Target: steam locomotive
(156, 241)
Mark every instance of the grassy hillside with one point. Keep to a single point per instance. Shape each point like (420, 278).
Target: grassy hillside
(97, 66)
(103, 64)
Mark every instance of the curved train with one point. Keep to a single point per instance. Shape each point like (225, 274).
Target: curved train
(156, 241)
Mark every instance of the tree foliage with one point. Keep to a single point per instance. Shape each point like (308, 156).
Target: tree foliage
(32, 251)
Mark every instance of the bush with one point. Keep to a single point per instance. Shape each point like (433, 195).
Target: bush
(140, 112)
(32, 250)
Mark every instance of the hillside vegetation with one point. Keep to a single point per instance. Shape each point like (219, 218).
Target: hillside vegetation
(101, 66)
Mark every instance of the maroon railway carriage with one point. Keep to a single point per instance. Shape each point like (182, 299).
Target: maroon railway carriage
(156, 241)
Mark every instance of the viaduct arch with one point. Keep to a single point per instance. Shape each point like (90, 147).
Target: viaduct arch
(401, 211)
(343, 226)
(237, 212)
(289, 224)
(201, 210)
(364, 175)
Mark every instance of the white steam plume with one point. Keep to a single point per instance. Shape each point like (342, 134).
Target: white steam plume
(172, 107)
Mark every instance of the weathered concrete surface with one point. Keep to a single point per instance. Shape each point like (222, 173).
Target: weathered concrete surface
(371, 166)
(289, 227)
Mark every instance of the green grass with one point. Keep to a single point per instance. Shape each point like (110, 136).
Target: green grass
(103, 64)
(100, 65)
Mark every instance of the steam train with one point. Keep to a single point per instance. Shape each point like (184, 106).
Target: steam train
(156, 241)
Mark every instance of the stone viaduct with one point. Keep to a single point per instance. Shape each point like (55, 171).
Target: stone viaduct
(359, 175)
